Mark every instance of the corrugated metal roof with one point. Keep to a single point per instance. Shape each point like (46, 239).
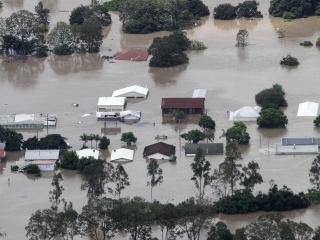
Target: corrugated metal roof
(182, 103)
(111, 101)
(199, 93)
(122, 154)
(207, 148)
(132, 89)
(31, 155)
(300, 141)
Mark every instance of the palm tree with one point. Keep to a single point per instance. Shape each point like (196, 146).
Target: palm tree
(91, 138)
(97, 138)
(84, 137)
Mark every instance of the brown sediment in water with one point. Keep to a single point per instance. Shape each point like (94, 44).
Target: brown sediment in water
(232, 77)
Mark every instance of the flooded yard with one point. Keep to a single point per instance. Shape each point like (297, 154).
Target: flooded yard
(231, 76)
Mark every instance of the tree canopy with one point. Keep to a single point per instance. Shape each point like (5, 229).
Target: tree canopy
(246, 9)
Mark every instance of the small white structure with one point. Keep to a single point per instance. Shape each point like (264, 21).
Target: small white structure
(122, 155)
(45, 166)
(296, 149)
(110, 106)
(308, 109)
(134, 91)
(130, 116)
(199, 93)
(245, 114)
(88, 153)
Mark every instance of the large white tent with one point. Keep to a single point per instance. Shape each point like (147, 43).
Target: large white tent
(122, 155)
(245, 114)
(308, 109)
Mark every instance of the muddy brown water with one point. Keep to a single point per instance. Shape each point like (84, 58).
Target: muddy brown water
(232, 77)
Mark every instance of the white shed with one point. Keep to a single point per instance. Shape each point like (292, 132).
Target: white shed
(122, 155)
(129, 116)
(88, 153)
(110, 106)
(308, 109)
(134, 91)
(199, 93)
(245, 114)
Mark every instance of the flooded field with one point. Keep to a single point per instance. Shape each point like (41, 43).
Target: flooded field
(232, 77)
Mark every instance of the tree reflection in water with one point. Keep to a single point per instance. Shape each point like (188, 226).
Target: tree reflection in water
(21, 73)
(75, 63)
(167, 76)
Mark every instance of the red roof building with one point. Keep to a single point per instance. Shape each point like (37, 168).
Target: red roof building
(187, 105)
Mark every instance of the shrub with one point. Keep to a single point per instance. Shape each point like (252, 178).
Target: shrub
(238, 133)
(272, 118)
(288, 16)
(63, 50)
(272, 97)
(289, 61)
(197, 45)
(306, 44)
(33, 169)
(316, 121)
(69, 160)
(104, 143)
(41, 51)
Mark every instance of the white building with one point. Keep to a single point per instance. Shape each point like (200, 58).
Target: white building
(308, 109)
(245, 114)
(122, 155)
(134, 91)
(110, 107)
(88, 153)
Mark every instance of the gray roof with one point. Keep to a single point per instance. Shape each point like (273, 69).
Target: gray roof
(31, 155)
(207, 148)
(300, 141)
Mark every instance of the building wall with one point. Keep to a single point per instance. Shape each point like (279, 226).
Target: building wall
(159, 156)
(186, 110)
(46, 167)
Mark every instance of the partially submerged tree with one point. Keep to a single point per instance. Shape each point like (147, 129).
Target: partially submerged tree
(128, 138)
(314, 173)
(120, 179)
(155, 174)
(289, 61)
(238, 133)
(193, 136)
(272, 118)
(242, 38)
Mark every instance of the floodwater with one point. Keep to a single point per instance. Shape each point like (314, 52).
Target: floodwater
(232, 77)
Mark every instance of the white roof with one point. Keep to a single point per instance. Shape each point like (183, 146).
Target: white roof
(245, 114)
(111, 101)
(134, 88)
(136, 114)
(199, 93)
(41, 155)
(308, 109)
(24, 117)
(122, 154)
(88, 152)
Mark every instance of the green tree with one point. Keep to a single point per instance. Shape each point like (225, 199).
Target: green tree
(238, 133)
(272, 97)
(316, 121)
(31, 143)
(224, 11)
(12, 139)
(155, 174)
(207, 123)
(42, 17)
(242, 38)
(56, 192)
(128, 138)
(84, 138)
(70, 224)
(53, 141)
(121, 180)
(61, 39)
(193, 136)
(314, 173)
(250, 176)
(219, 231)
(179, 115)
(201, 173)
(104, 143)
(69, 160)
(272, 118)
(289, 61)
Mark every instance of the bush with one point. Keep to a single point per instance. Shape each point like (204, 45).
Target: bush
(247, 9)
(63, 50)
(306, 44)
(238, 133)
(291, 9)
(33, 169)
(197, 45)
(275, 200)
(272, 118)
(289, 61)
(272, 97)
(316, 121)
(41, 51)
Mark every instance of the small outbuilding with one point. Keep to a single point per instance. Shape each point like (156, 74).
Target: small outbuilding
(88, 153)
(296, 149)
(44, 159)
(133, 91)
(187, 105)
(122, 155)
(308, 109)
(160, 151)
(207, 149)
(245, 114)
(110, 107)
(130, 116)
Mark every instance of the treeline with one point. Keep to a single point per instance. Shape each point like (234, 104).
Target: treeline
(25, 33)
(246, 9)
